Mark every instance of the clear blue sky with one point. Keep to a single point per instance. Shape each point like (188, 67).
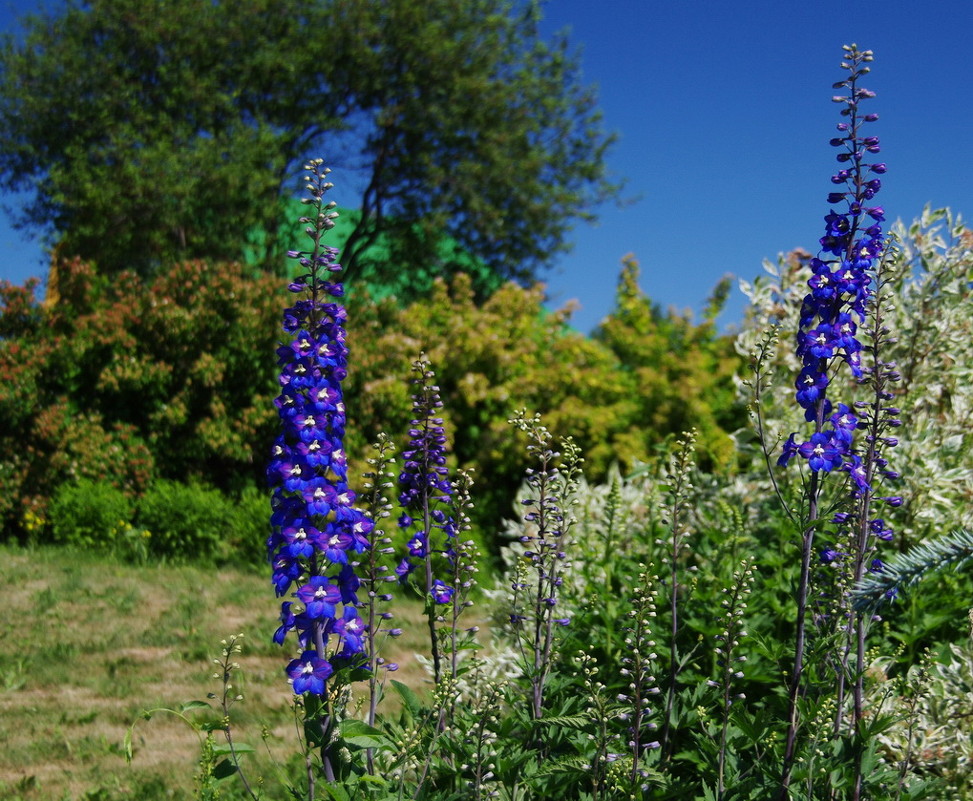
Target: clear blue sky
(724, 115)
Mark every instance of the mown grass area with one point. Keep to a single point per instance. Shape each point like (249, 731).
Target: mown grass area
(90, 643)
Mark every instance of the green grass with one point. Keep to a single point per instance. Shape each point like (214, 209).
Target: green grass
(89, 643)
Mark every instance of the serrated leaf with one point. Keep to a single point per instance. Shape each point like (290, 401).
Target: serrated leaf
(566, 764)
(578, 722)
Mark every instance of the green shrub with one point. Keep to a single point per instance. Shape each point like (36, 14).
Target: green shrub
(250, 527)
(186, 521)
(90, 514)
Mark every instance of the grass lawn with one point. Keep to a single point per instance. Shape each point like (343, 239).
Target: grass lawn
(89, 643)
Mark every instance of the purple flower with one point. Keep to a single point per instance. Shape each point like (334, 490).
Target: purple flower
(309, 673)
(880, 530)
(441, 593)
(424, 480)
(822, 452)
(404, 568)
(350, 630)
(319, 597)
(839, 290)
(811, 384)
(788, 452)
(315, 525)
(845, 422)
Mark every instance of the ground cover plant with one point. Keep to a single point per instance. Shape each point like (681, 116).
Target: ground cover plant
(790, 629)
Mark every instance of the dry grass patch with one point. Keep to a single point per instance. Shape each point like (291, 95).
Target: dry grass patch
(90, 643)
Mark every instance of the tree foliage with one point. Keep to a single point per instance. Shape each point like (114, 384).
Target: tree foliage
(683, 372)
(152, 131)
(173, 377)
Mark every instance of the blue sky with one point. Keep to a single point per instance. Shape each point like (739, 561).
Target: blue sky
(724, 115)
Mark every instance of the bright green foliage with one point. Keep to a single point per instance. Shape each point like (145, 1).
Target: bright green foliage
(683, 373)
(186, 522)
(88, 514)
(153, 131)
(509, 353)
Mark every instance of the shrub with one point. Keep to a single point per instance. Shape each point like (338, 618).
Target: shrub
(186, 521)
(249, 528)
(90, 514)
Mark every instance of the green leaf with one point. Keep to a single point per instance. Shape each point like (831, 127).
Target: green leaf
(577, 722)
(709, 794)
(379, 781)
(359, 734)
(409, 698)
(224, 769)
(336, 792)
(190, 705)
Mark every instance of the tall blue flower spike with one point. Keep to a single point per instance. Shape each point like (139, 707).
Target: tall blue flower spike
(841, 284)
(316, 530)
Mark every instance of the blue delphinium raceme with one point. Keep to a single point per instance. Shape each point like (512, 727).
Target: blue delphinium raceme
(840, 297)
(317, 532)
(425, 494)
(841, 286)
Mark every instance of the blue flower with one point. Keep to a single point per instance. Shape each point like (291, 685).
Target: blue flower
(441, 592)
(839, 291)
(309, 673)
(315, 525)
(822, 451)
(788, 451)
(319, 597)
(424, 479)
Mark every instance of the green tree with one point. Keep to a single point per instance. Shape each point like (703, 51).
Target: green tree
(152, 131)
(683, 371)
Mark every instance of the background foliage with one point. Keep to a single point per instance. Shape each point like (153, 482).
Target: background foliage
(148, 133)
(133, 380)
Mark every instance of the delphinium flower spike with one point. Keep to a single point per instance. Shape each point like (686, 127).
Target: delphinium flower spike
(840, 290)
(317, 533)
(841, 284)
(425, 494)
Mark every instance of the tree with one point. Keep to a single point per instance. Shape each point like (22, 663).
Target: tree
(149, 131)
(684, 372)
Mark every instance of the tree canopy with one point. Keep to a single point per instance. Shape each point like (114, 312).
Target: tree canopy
(148, 131)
